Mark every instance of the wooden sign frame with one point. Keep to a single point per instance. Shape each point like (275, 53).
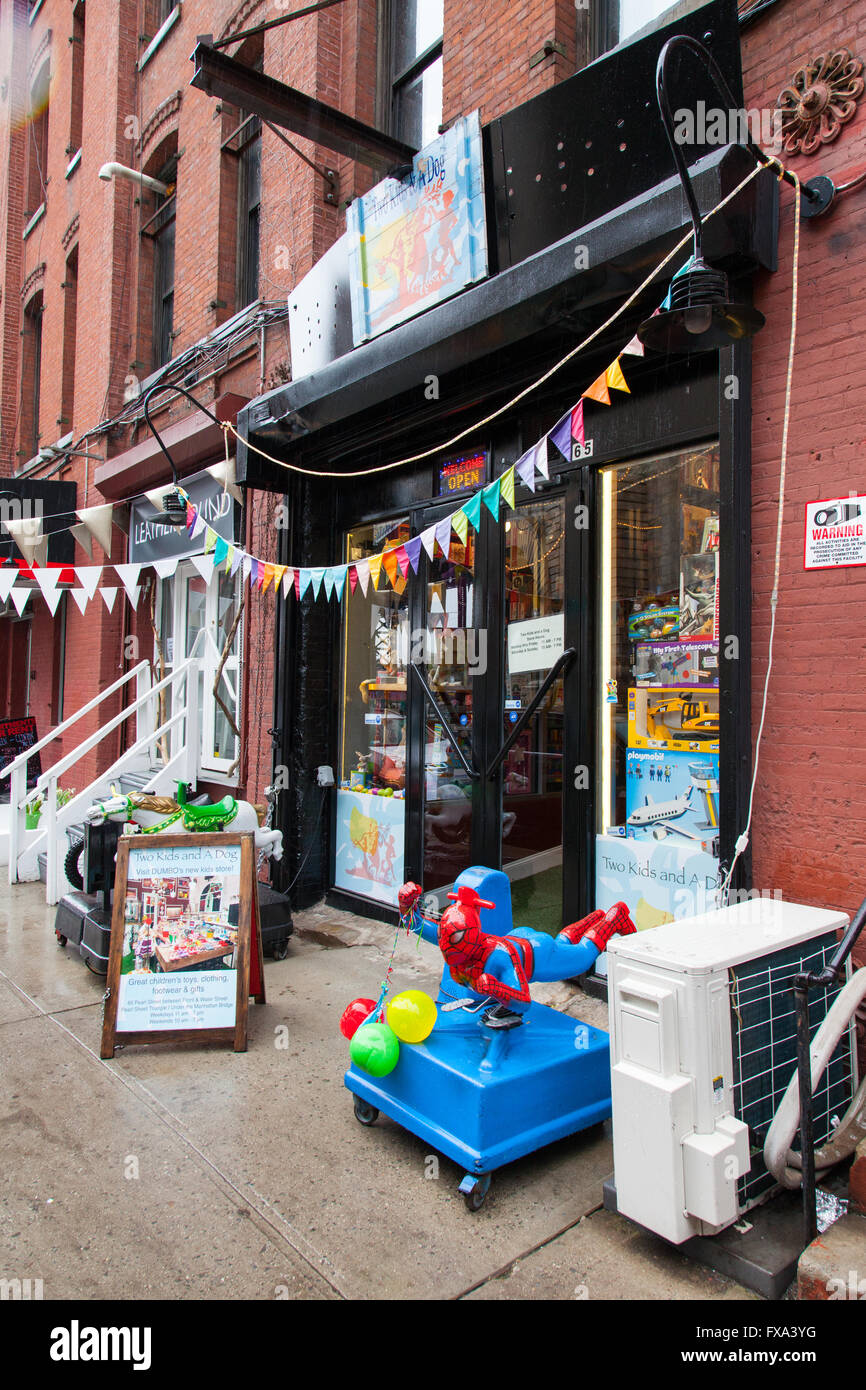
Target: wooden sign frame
(248, 961)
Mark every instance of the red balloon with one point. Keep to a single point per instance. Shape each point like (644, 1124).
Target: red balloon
(357, 1013)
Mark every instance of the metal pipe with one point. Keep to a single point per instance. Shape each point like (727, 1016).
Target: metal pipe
(552, 675)
(443, 720)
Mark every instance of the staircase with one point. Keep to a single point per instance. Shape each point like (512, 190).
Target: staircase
(158, 756)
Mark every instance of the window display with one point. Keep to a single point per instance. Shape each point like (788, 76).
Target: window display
(658, 706)
(370, 805)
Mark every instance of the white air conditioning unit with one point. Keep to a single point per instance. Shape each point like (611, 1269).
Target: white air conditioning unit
(703, 1045)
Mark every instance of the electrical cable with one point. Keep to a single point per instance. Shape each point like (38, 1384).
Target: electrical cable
(527, 390)
(743, 839)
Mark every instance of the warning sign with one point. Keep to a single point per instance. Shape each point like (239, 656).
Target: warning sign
(835, 533)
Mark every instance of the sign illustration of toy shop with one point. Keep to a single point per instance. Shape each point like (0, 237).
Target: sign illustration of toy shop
(416, 241)
(185, 950)
(835, 533)
(150, 539)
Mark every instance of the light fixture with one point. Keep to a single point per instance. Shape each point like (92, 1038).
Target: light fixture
(700, 315)
(112, 170)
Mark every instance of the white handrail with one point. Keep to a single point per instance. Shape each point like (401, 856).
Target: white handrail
(73, 719)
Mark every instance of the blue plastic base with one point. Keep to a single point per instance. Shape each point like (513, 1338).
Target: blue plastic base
(485, 1097)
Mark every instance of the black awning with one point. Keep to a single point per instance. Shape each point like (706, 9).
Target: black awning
(521, 305)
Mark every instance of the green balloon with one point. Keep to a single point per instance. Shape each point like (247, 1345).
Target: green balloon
(375, 1048)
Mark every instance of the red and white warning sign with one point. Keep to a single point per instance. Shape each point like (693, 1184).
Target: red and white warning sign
(835, 533)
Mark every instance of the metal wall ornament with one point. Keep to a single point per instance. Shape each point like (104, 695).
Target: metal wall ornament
(821, 98)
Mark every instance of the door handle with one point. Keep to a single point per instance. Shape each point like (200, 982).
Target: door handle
(443, 720)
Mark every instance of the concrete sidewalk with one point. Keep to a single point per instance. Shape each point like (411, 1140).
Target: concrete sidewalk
(192, 1172)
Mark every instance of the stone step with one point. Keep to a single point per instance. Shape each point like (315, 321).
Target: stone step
(833, 1267)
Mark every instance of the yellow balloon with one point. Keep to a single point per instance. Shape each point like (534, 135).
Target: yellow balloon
(412, 1015)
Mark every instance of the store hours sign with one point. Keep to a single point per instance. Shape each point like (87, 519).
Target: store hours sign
(835, 533)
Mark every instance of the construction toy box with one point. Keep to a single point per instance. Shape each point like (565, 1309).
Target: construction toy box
(677, 663)
(680, 720)
(673, 794)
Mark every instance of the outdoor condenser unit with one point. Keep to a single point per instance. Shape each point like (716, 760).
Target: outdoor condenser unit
(703, 1045)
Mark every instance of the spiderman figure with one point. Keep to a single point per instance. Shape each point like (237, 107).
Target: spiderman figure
(502, 967)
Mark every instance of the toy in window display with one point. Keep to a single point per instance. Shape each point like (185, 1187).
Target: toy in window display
(500, 1075)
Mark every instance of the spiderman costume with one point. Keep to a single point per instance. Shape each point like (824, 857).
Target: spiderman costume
(502, 967)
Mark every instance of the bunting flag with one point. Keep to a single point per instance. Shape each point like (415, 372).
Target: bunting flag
(166, 568)
(598, 390)
(506, 487)
(288, 581)
(614, 377)
(443, 536)
(633, 348)
(525, 467)
(268, 576)
(81, 534)
(27, 535)
(353, 578)
(47, 581)
(561, 436)
(362, 569)
(199, 525)
(128, 575)
(89, 576)
(204, 565)
(108, 597)
(279, 571)
(389, 564)
(403, 561)
(317, 575)
(329, 582)
(220, 551)
(374, 564)
(428, 539)
(302, 583)
(413, 552)
(472, 512)
(490, 496)
(80, 598)
(19, 597)
(237, 557)
(98, 522)
(577, 431)
(460, 523)
(7, 579)
(224, 473)
(210, 539)
(340, 572)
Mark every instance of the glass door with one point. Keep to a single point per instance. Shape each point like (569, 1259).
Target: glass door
(531, 776)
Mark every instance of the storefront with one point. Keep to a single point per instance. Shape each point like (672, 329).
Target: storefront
(564, 692)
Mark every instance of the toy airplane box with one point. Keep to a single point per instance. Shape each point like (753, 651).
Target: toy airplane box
(680, 720)
(672, 794)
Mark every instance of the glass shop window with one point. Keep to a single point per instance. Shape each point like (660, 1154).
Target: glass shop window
(375, 655)
(658, 694)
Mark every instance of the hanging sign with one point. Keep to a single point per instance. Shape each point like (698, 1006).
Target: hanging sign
(460, 474)
(149, 537)
(835, 533)
(416, 241)
(185, 947)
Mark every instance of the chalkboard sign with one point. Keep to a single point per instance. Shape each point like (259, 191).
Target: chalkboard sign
(17, 735)
(185, 949)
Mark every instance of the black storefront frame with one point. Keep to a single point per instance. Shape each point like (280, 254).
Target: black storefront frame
(580, 484)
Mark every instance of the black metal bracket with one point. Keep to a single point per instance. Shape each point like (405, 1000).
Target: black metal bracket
(442, 716)
(802, 984)
(559, 665)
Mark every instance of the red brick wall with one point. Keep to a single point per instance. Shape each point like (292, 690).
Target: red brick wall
(808, 831)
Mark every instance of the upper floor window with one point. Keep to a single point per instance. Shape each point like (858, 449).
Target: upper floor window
(414, 48)
(157, 259)
(618, 20)
(77, 84)
(31, 377)
(37, 142)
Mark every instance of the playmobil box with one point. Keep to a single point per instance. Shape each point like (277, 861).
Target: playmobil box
(672, 794)
(677, 663)
(681, 720)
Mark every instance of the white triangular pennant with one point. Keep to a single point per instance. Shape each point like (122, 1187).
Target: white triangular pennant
(98, 522)
(199, 525)
(81, 598)
(157, 495)
(428, 540)
(27, 535)
(634, 348)
(108, 597)
(363, 568)
(129, 579)
(204, 565)
(89, 576)
(165, 568)
(539, 457)
(288, 581)
(224, 473)
(84, 538)
(19, 598)
(47, 581)
(7, 579)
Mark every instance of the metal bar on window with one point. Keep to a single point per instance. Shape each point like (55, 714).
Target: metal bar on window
(552, 675)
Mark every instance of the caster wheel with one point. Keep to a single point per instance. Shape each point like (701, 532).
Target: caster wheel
(61, 940)
(365, 1114)
(475, 1199)
(281, 950)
